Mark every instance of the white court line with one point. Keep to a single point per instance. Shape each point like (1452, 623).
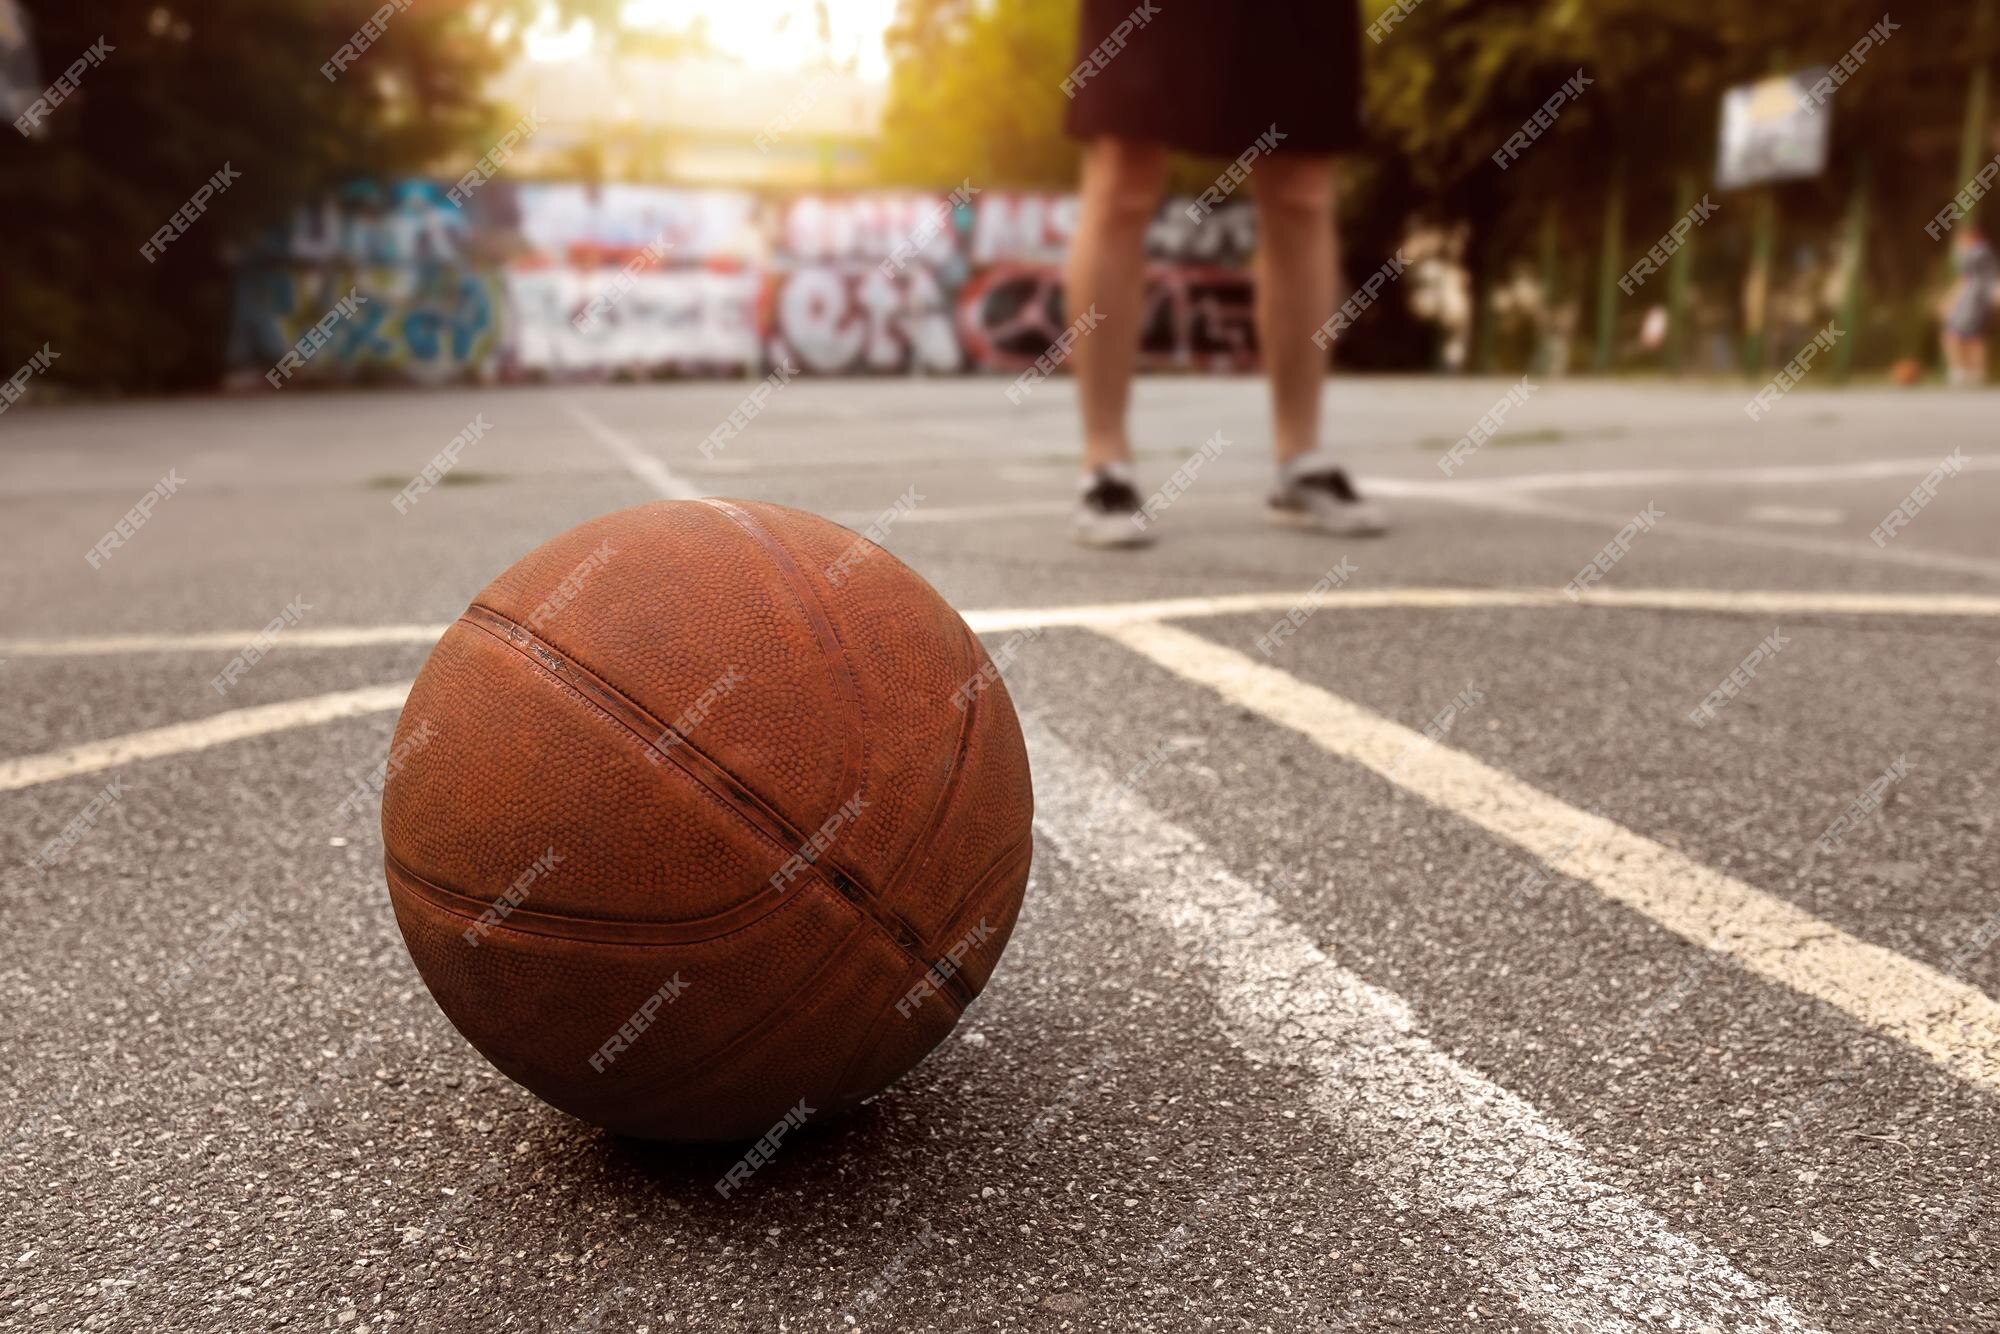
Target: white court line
(1954, 1024)
(1091, 615)
(1815, 516)
(643, 465)
(1098, 616)
(1555, 1231)
(1671, 526)
(1768, 475)
(338, 636)
(994, 620)
(1514, 494)
(1494, 491)
(1036, 469)
(214, 730)
(1762, 602)
(1094, 615)
(948, 514)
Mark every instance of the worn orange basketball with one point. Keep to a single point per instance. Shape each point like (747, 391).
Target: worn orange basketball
(707, 816)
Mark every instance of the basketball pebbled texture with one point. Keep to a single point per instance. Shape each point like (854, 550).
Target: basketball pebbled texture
(683, 814)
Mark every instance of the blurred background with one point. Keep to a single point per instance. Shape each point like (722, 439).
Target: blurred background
(736, 171)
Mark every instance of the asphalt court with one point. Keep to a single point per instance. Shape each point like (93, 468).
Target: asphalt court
(1376, 980)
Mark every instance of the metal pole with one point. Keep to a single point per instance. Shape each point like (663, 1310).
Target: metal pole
(1763, 241)
(1677, 281)
(1971, 146)
(1544, 351)
(1857, 244)
(1607, 272)
(1757, 286)
(1915, 322)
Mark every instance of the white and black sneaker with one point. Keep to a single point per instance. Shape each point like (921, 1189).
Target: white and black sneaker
(1314, 492)
(1107, 513)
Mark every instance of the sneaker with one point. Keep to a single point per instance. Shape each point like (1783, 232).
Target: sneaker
(1107, 513)
(1314, 492)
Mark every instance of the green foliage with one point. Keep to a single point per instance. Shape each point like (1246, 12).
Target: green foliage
(186, 88)
(1447, 86)
(975, 94)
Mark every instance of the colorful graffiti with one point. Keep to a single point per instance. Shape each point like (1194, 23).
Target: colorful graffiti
(534, 280)
(691, 320)
(430, 309)
(1196, 317)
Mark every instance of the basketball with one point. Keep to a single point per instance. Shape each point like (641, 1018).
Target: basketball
(707, 817)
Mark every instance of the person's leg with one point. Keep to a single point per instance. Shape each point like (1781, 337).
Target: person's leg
(1120, 193)
(1975, 361)
(1954, 359)
(1295, 285)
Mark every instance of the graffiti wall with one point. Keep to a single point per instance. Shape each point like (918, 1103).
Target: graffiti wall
(551, 280)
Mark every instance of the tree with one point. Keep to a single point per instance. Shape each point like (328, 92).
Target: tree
(182, 91)
(975, 92)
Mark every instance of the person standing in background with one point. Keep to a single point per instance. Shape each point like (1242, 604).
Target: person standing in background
(1213, 78)
(1967, 308)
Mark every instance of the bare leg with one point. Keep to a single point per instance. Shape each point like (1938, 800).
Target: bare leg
(1295, 287)
(1957, 359)
(1121, 189)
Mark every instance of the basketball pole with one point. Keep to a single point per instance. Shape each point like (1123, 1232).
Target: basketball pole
(1489, 273)
(1763, 243)
(1607, 273)
(1545, 353)
(1970, 145)
(1855, 266)
(1757, 285)
(1677, 281)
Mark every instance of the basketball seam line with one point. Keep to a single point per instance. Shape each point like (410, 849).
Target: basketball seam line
(1021, 850)
(759, 1031)
(824, 627)
(910, 942)
(846, 682)
(734, 797)
(940, 812)
(947, 795)
(980, 884)
(590, 930)
(958, 996)
(841, 666)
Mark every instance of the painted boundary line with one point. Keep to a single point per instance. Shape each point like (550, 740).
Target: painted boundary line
(1697, 529)
(215, 730)
(1098, 615)
(1949, 1021)
(1574, 1250)
(1582, 479)
(90, 646)
(1778, 474)
(647, 468)
(1088, 615)
(1506, 492)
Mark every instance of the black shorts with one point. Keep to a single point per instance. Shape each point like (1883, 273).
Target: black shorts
(1211, 76)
